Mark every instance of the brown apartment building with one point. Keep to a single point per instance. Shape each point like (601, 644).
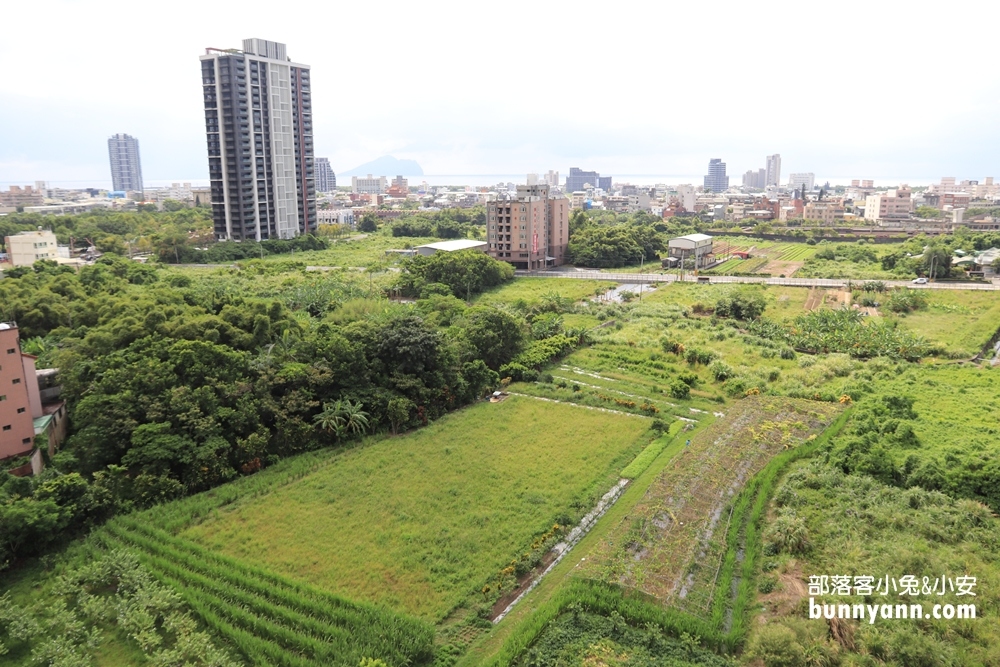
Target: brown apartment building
(27, 402)
(530, 231)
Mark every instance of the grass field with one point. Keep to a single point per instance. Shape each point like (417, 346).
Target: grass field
(531, 290)
(956, 319)
(421, 521)
(357, 252)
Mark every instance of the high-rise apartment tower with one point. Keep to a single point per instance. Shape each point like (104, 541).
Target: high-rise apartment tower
(716, 179)
(773, 168)
(258, 117)
(326, 180)
(126, 172)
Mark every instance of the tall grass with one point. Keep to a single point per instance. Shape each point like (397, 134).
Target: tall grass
(652, 450)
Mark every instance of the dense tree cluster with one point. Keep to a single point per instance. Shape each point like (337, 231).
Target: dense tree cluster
(445, 224)
(614, 245)
(177, 235)
(175, 385)
(462, 273)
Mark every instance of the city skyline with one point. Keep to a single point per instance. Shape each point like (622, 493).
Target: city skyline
(52, 128)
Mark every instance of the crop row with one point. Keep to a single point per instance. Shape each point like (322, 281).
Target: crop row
(794, 251)
(268, 618)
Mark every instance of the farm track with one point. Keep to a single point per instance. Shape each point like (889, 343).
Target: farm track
(578, 405)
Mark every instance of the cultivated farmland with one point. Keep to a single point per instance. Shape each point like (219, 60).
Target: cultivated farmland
(670, 545)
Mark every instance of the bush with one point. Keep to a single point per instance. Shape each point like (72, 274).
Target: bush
(720, 370)
(788, 533)
(776, 646)
(680, 389)
(741, 304)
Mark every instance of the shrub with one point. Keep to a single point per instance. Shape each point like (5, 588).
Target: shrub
(776, 646)
(788, 533)
(720, 370)
(741, 304)
(680, 389)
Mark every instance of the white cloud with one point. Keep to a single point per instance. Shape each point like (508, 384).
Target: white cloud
(877, 89)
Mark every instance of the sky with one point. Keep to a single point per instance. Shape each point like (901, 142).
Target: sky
(886, 90)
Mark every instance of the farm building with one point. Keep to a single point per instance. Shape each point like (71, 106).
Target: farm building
(451, 246)
(693, 246)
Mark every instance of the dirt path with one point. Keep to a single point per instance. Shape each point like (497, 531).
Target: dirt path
(588, 407)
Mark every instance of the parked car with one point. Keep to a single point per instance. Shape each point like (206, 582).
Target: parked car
(920, 281)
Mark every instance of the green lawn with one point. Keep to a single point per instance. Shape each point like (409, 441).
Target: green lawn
(420, 522)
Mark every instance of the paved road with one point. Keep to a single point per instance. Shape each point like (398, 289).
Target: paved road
(790, 282)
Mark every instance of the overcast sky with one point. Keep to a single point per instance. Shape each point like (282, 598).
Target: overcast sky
(873, 89)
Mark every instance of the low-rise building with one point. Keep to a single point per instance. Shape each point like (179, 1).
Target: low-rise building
(339, 216)
(369, 185)
(16, 196)
(29, 401)
(826, 213)
(697, 247)
(26, 248)
(892, 205)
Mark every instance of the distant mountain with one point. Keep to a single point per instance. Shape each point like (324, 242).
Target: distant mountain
(386, 165)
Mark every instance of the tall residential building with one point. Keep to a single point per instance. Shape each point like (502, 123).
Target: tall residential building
(772, 166)
(796, 181)
(755, 179)
(126, 171)
(530, 231)
(578, 178)
(326, 180)
(258, 117)
(716, 179)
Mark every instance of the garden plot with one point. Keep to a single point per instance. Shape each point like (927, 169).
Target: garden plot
(671, 544)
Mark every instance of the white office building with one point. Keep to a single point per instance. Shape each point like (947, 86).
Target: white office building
(368, 185)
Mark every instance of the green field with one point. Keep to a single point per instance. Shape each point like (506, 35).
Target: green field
(421, 521)
(357, 252)
(961, 321)
(532, 290)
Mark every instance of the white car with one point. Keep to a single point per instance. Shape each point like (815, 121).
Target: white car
(919, 281)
